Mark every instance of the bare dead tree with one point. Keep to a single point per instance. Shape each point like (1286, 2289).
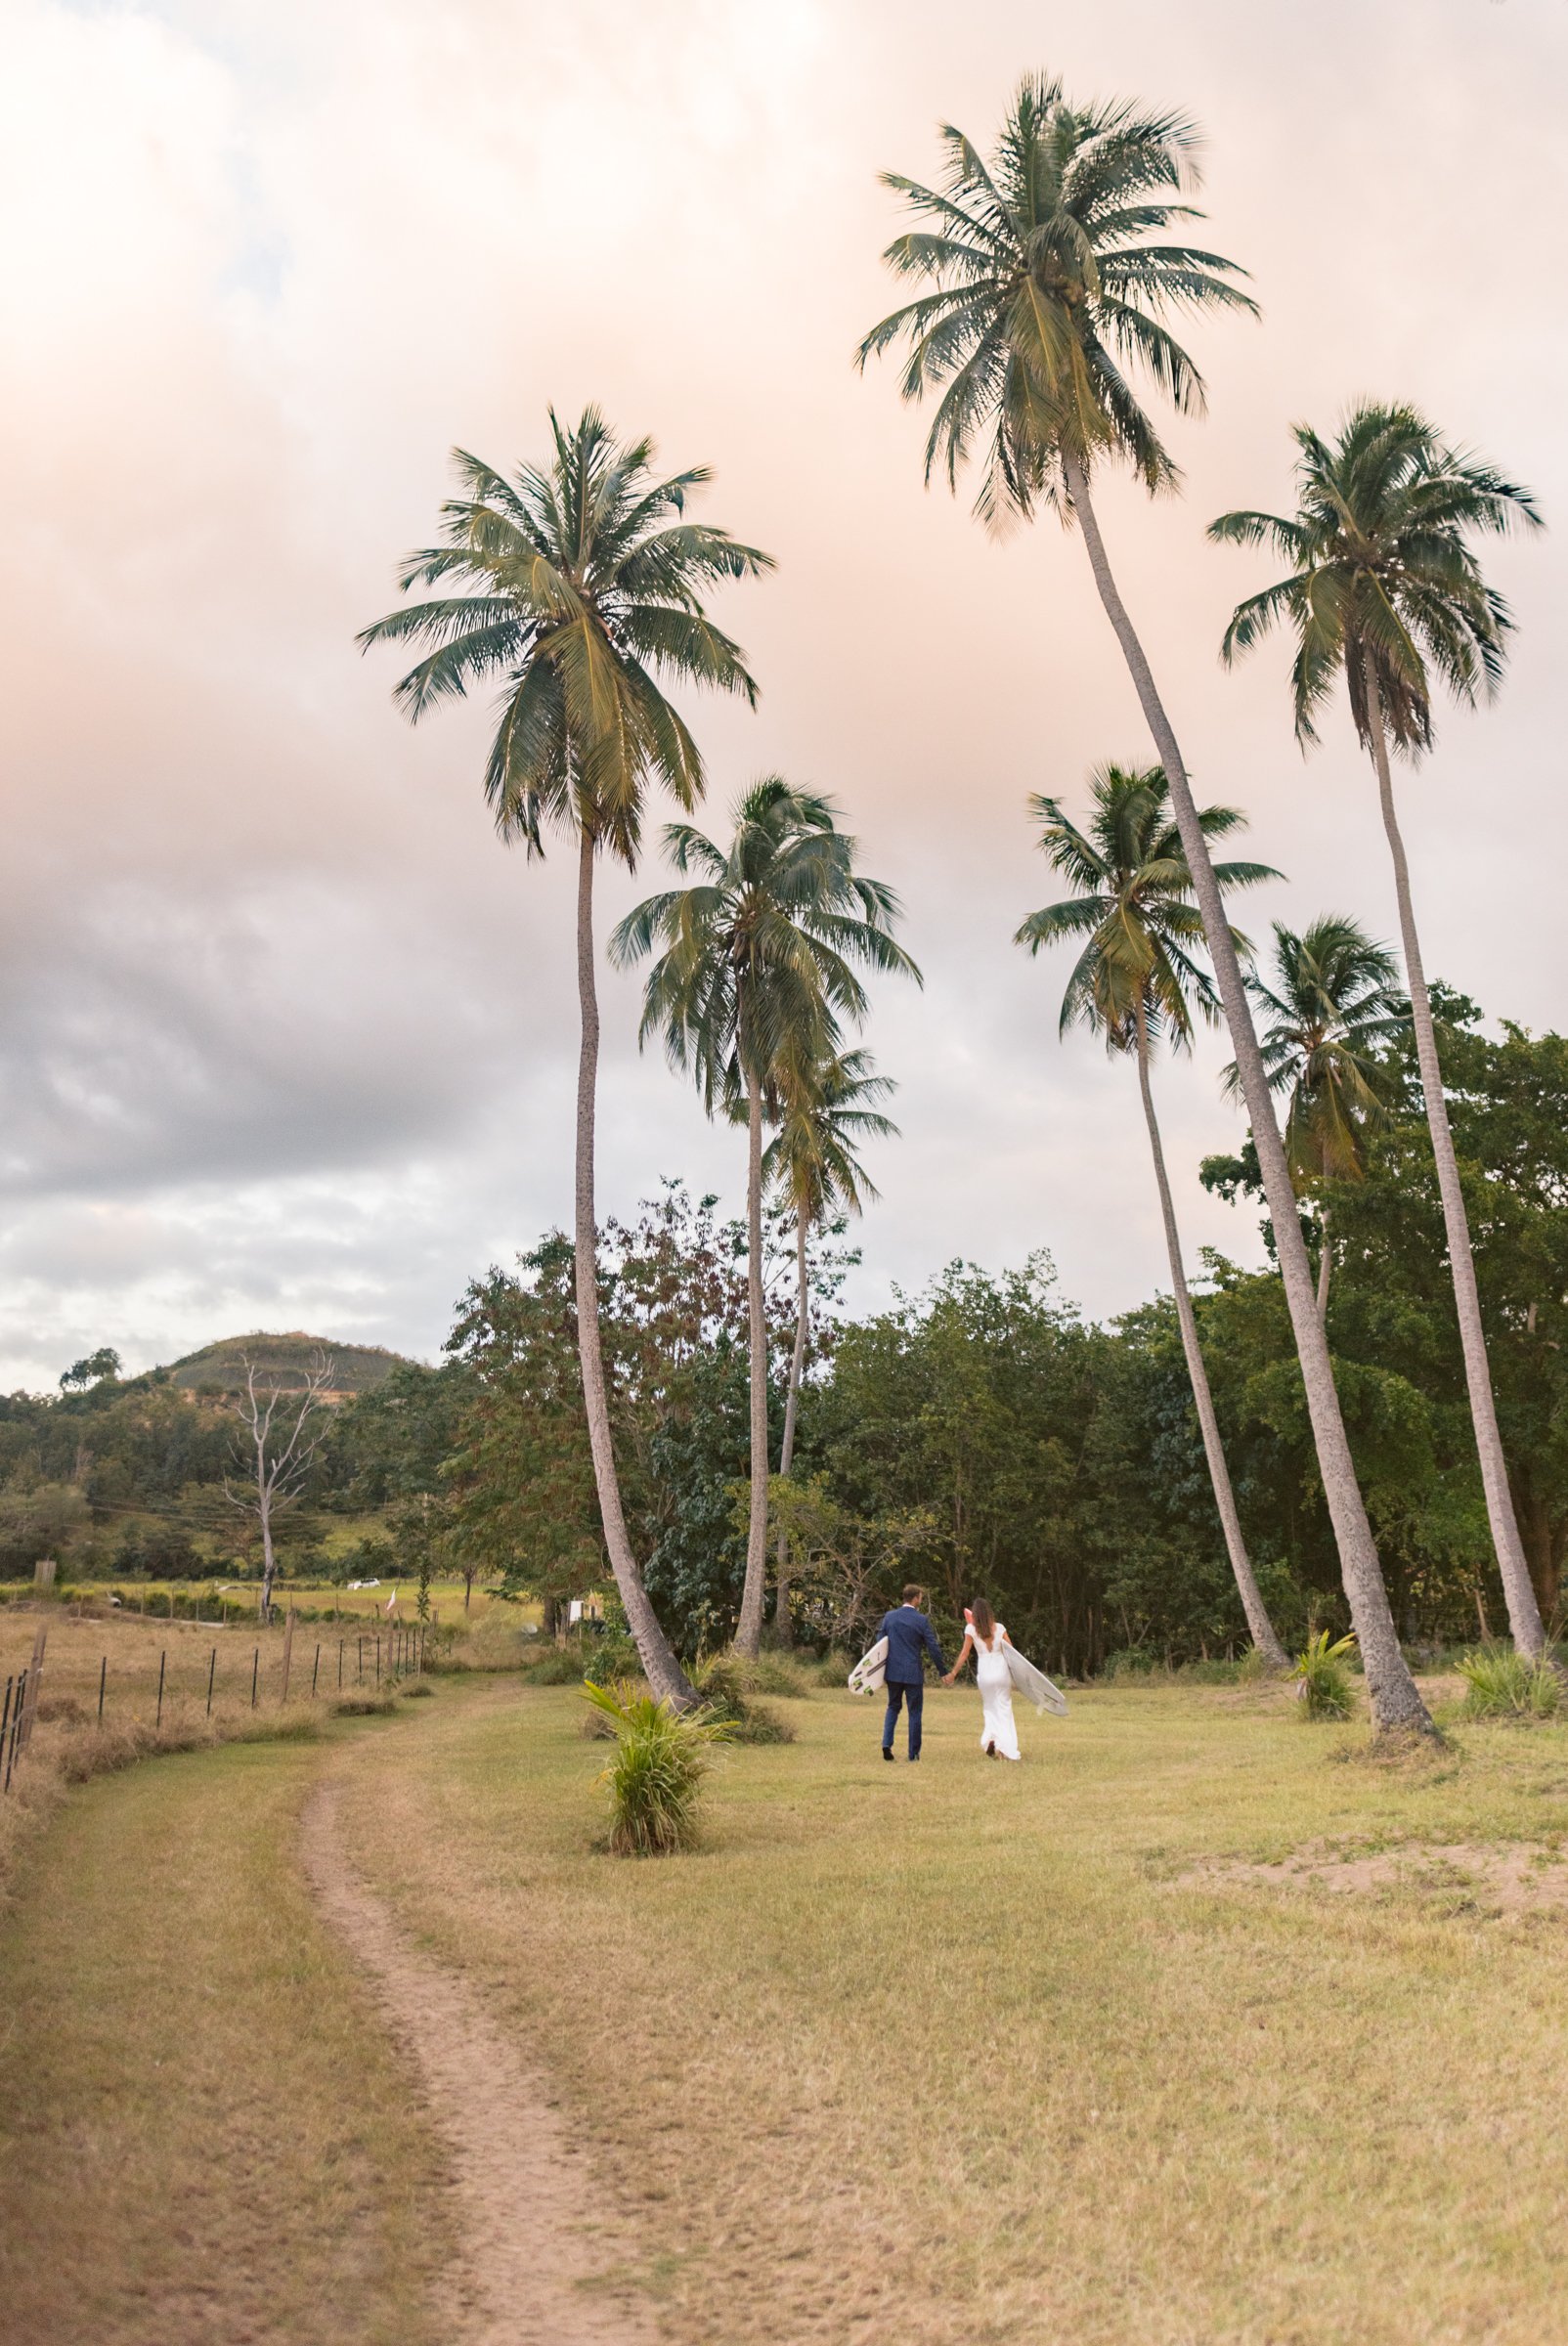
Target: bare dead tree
(276, 1448)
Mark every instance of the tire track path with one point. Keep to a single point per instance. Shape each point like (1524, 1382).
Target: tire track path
(535, 2263)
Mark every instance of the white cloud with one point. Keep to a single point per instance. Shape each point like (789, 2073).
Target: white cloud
(286, 1034)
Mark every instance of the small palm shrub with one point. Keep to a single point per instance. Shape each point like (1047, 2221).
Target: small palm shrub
(654, 1781)
(1323, 1681)
(1500, 1682)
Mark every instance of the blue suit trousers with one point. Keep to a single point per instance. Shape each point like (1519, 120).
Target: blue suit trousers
(915, 1697)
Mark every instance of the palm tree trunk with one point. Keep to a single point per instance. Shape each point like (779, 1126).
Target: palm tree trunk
(782, 1627)
(1326, 1261)
(664, 1672)
(748, 1627)
(1262, 1629)
(1395, 1698)
(1524, 1614)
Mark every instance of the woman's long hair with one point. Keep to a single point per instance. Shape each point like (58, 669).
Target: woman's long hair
(984, 1618)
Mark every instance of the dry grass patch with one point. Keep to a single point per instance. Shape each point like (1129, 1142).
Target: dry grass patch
(204, 2137)
(939, 2053)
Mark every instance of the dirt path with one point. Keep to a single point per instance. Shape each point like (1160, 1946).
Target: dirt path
(535, 2266)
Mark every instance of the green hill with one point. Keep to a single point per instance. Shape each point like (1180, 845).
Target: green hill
(219, 1369)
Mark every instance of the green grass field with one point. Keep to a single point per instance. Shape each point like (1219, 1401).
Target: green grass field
(205, 2136)
(1200, 2028)
(970, 2053)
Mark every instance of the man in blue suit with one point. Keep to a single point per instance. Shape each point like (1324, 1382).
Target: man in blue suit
(910, 1637)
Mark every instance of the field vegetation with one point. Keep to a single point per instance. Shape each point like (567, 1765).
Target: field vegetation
(1066, 2043)
(206, 2134)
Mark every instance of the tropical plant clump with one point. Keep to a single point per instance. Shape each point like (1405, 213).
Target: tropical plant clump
(1500, 1683)
(654, 1782)
(1323, 1681)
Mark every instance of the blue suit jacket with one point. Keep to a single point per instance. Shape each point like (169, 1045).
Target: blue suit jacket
(909, 1635)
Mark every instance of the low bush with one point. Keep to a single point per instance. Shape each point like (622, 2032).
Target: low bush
(654, 1782)
(365, 1705)
(726, 1685)
(1133, 1661)
(1215, 1671)
(1500, 1682)
(613, 1654)
(1323, 1678)
(415, 1690)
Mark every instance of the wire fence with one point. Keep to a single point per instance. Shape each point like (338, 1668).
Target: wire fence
(322, 1668)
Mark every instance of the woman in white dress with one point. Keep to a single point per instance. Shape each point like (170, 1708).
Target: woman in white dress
(985, 1635)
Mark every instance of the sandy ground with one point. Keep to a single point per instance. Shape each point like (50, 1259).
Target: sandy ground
(1498, 1877)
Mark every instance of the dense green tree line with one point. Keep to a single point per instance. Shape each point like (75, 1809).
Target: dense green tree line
(980, 1432)
(984, 1434)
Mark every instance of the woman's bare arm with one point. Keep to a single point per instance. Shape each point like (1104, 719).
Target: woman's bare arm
(963, 1657)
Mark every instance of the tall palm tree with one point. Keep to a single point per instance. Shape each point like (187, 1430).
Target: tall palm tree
(1335, 1000)
(825, 1111)
(757, 971)
(1136, 984)
(1049, 270)
(1384, 591)
(579, 592)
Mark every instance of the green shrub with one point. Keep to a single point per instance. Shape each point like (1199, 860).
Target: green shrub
(1216, 1670)
(654, 1782)
(833, 1670)
(414, 1690)
(1131, 1662)
(557, 1665)
(1500, 1682)
(726, 1685)
(365, 1705)
(1323, 1678)
(613, 1654)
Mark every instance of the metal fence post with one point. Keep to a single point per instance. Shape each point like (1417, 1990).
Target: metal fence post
(255, 1672)
(102, 1681)
(163, 1660)
(212, 1672)
(5, 1717)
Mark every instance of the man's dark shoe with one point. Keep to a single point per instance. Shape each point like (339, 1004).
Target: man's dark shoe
(886, 1753)
(914, 1758)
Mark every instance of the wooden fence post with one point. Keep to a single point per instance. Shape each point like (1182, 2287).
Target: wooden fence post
(16, 1730)
(288, 1648)
(35, 1674)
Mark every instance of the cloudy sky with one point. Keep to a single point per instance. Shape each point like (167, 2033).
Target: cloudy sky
(286, 1036)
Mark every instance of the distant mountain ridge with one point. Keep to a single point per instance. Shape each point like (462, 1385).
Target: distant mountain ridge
(219, 1370)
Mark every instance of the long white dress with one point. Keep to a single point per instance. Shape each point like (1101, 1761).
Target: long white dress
(995, 1683)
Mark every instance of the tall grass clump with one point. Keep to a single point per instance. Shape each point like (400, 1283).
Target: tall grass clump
(1500, 1682)
(654, 1782)
(1322, 1681)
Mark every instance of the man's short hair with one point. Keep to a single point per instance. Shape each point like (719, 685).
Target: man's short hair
(914, 1594)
